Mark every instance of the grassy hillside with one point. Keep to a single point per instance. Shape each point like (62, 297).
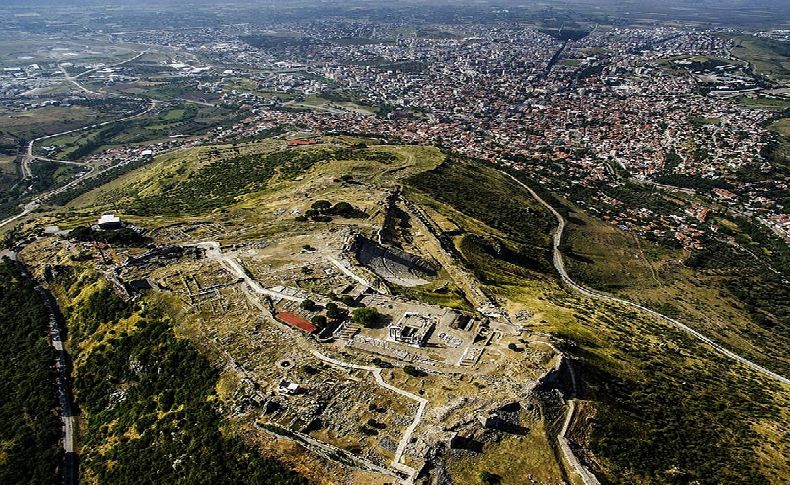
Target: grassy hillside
(666, 408)
(663, 408)
(500, 217)
(731, 295)
(148, 399)
(767, 56)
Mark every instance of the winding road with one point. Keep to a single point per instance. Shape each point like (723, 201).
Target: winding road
(29, 157)
(559, 264)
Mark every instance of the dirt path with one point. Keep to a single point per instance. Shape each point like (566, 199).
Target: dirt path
(422, 403)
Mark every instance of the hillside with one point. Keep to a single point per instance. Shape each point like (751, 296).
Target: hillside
(238, 236)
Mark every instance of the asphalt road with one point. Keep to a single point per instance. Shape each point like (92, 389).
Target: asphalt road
(559, 264)
(29, 157)
(63, 380)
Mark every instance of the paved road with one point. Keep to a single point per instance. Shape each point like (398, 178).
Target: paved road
(29, 157)
(73, 79)
(63, 380)
(559, 264)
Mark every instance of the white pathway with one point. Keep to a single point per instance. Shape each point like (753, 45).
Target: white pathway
(422, 403)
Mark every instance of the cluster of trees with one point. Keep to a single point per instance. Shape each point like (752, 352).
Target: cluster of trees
(29, 451)
(88, 184)
(763, 293)
(656, 430)
(412, 371)
(99, 139)
(323, 210)
(148, 399)
(366, 316)
(45, 176)
(502, 267)
(101, 306)
(123, 236)
(361, 152)
(492, 198)
(696, 182)
(139, 130)
(221, 183)
(488, 478)
(661, 415)
(11, 192)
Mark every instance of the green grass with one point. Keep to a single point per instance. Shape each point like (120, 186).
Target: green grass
(769, 57)
(46, 121)
(439, 292)
(781, 126)
(762, 102)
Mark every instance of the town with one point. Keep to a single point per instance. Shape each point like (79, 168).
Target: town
(358, 242)
(662, 106)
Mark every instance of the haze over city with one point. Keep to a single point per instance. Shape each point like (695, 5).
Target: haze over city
(375, 242)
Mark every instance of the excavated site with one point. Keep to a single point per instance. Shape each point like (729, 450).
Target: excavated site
(416, 386)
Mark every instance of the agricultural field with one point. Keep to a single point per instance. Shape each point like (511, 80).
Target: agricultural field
(51, 120)
(179, 119)
(768, 57)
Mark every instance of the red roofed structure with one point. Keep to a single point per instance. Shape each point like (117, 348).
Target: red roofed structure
(297, 321)
(300, 142)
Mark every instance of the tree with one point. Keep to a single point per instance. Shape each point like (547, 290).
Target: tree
(366, 316)
(319, 320)
(343, 208)
(489, 478)
(333, 311)
(321, 205)
(412, 371)
(308, 305)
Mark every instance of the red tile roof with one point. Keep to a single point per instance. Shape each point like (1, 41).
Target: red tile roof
(297, 321)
